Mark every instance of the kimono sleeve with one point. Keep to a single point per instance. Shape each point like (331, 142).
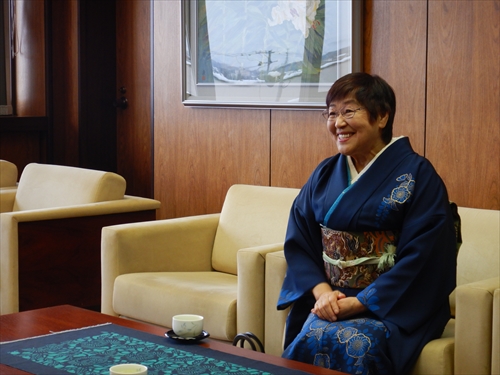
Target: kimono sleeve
(303, 248)
(416, 289)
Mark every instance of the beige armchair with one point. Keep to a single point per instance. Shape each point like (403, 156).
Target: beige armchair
(8, 184)
(50, 229)
(470, 343)
(8, 174)
(211, 265)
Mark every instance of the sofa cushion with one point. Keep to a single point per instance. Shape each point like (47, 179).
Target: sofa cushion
(45, 185)
(141, 296)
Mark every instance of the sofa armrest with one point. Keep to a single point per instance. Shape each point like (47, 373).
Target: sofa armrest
(474, 326)
(182, 244)
(275, 320)
(251, 282)
(7, 198)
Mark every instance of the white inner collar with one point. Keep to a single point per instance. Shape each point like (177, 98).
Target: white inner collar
(354, 173)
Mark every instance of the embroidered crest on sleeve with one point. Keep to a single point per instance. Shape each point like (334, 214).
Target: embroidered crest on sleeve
(399, 195)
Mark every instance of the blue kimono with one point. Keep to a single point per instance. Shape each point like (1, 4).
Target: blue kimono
(408, 304)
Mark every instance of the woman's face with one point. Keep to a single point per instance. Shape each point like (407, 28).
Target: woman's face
(356, 137)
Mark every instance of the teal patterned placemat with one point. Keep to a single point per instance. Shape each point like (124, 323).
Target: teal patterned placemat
(94, 350)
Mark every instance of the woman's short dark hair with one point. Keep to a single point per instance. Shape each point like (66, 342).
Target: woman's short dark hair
(372, 92)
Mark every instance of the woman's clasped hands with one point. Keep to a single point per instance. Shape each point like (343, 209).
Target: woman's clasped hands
(333, 305)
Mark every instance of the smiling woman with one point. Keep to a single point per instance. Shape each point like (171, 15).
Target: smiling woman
(366, 243)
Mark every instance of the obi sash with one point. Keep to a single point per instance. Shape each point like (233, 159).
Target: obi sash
(356, 259)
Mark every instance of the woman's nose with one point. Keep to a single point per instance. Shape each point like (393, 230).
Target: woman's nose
(340, 121)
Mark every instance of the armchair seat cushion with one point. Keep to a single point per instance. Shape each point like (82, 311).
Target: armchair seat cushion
(141, 296)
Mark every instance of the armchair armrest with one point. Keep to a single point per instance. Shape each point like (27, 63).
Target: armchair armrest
(9, 226)
(251, 284)
(7, 198)
(182, 244)
(50, 223)
(495, 352)
(275, 323)
(474, 326)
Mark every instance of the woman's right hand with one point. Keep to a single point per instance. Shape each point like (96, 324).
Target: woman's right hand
(326, 306)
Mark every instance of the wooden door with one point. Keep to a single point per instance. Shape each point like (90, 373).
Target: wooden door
(133, 83)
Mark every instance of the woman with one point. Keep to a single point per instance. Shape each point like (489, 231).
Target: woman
(370, 245)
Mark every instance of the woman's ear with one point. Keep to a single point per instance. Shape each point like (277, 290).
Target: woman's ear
(382, 121)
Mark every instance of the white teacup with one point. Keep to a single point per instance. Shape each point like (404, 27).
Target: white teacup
(127, 369)
(187, 325)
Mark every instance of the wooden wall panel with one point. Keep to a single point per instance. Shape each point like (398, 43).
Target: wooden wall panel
(395, 49)
(133, 71)
(463, 106)
(65, 126)
(299, 141)
(29, 61)
(199, 153)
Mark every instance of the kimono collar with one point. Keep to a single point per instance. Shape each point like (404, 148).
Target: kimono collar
(352, 173)
(353, 176)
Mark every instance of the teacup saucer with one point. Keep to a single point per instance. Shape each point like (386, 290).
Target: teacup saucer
(171, 335)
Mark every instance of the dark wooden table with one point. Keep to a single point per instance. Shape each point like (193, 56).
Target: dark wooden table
(60, 318)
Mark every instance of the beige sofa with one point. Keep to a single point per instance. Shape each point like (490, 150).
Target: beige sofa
(50, 228)
(211, 265)
(470, 343)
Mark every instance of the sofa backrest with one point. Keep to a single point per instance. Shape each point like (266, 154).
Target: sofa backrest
(479, 255)
(251, 216)
(45, 186)
(8, 174)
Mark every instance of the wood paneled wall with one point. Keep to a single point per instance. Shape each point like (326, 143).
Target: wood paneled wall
(395, 42)
(64, 85)
(442, 59)
(65, 106)
(299, 141)
(133, 74)
(463, 99)
(199, 152)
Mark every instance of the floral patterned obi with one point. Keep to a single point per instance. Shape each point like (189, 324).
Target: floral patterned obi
(356, 259)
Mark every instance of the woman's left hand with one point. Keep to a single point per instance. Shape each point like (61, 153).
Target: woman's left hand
(348, 307)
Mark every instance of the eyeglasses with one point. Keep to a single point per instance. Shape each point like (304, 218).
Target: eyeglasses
(346, 113)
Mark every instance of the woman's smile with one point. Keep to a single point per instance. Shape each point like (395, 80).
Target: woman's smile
(354, 133)
(344, 136)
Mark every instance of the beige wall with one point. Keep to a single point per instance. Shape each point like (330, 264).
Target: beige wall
(442, 58)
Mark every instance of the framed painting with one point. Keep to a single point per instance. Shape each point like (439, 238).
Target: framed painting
(267, 53)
